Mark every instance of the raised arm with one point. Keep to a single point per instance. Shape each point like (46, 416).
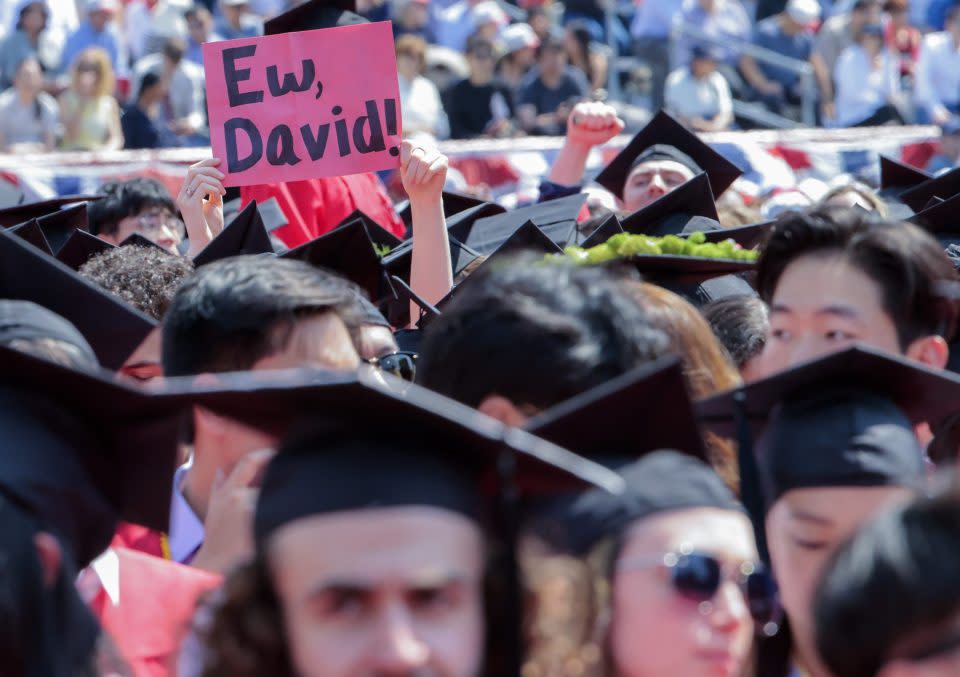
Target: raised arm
(590, 124)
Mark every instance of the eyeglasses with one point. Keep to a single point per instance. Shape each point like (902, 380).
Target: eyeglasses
(402, 364)
(157, 221)
(698, 576)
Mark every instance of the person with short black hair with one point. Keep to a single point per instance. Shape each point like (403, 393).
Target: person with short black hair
(741, 323)
(551, 90)
(183, 110)
(479, 105)
(137, 122)
(833, 277)
(141, 206)
(889, 600)
(520, 338)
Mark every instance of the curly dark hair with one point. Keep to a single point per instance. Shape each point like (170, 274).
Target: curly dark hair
(144, 277)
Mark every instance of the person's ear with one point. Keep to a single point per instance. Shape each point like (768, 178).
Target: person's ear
(50, 555)
(502, 409)
(932, 351)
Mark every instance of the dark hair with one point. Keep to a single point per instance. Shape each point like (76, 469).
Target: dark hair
(906, 262)
(581, 35)
(150, 79)
(895, 579)
(126, 198)
(232, 312)
(551, 43)
(144, 277)
(28, 5)
(535, 334)
(741, 324)
(174, 49)
(37, 108)
(476, 42)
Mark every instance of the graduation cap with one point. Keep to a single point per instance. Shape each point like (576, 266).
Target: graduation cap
(684, 210)
(379, 235)
(81, 247)
(11, 216)
(945, 186)
(58, 226)
(82, 451)
(622, 419)
(27, 320)
(941, 220)
(897, 177)
(666, 139)
(138, 240)
(609, 227)
(348, 251)
(750, 236)
(113, 328)
(399, 260)
(246, 234)
(409, 338)
(453, 203)
(313, 15)
(556, 218)
(460, 224)
(30, 232)
(699, 280)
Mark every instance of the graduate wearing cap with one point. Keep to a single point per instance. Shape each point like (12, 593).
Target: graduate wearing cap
(837, 446)
(661, 157)
(832, 277)
(412, 512)
(137, 206)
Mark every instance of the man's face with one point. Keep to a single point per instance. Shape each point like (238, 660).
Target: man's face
(822, 305)
(481, 61)
(99, 19)
(157, 223)
(552, 61)
(649, 181)
(400, 594)
(862, 16)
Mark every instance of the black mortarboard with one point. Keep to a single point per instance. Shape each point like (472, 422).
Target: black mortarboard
(453, 203)
(85, 451)
(749, 237)
(406, 294)
(622, 419)
(945, 186)
(699, 280)
(528, 237)
(409, 338)
(58, 226)
(246, 234)
(460, 224)
(138, 240)
(27, 320)
(348, 251)
(662, 481)
(11, 216)
(942, 220)
(609, 227)
(684, 210)
(80, 248)
(113, 328)
(399, 260)
(30, 232)
(313, 15)
(896, 177)
(663, 130)
(557, 218)
(379, 235)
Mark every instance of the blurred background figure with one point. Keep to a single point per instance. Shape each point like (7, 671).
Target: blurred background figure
(236, 20)
(98, 30)
(867, 78)
(518, 49)
(182, 109)
(29, 117)
(551, 91)
(90, 113)
(412, 17)
(199, 32)
(948, 155)
(698, 96)
(29, 37)
(479, 105)
(420, 101)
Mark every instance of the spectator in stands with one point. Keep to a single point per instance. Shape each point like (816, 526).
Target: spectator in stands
(199, 32)
(789, 34)
(182, 110)
(29, 38)
(937, 83)
(651, 27)
(412, 17)
(454, 25)
(138, 122)
(553, 88)
(937, 16)
(90, 114)
(148, 23)
(949, 154)
(698, 96)
(488, 19)
(236, 21)
(586, 55)
(29, 117)
(726, 22)
(837, 33)
(867, 79)
(540, 21)
(98, 31)
(479, 105)
(420, 102)
(518, 44)
(903, 38)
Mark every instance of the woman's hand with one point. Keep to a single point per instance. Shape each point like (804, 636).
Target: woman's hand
(200, 202)
(423, 171)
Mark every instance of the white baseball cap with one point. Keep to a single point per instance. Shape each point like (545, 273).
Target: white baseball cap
(518, 36)
(488, 12)
(804, 12)
(101, 5)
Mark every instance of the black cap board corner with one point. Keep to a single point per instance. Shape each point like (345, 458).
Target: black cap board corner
(460, 224)
(11, 216)
(378, 234)
(138, 240)
(608, 227)
(314, 15)
(664, 130)
(407, 295)
(750, 236)
(80, 247)
(112, 328)
(556, 218)
(944, 186)
(30, 232)
(896, 177)
(940, 219)
(398, 260)
(57, 226)
(246, 234)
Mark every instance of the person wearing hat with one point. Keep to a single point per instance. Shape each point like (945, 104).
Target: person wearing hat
(937, 81)
(518, 46)
(98, 30)
(867, 82)
(137, 206)
(413, 584)
(670, 583)
(888, 602)
(412, 17)
(31, 34)
(789, 34)
(832, 277)
(948, 154)
(698, 95)
(236, 21)
(727, 23)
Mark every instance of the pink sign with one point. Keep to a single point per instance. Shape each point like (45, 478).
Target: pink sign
(302, 105)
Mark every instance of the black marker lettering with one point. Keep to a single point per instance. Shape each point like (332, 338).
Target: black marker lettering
(280, 147)
(375, 143)
(235, 76)
(290, 83)
(316, 145)
(234, 162)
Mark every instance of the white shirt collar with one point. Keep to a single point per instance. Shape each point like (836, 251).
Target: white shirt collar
(186, 529)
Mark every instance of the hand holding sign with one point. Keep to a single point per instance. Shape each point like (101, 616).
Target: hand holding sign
(302, 105)
(200, 202)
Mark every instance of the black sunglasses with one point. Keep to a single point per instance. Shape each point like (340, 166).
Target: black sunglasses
(401, 363)
(698, 577)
